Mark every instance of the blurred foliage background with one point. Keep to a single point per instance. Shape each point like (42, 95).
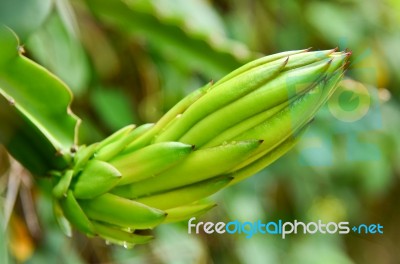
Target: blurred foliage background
(129, 61)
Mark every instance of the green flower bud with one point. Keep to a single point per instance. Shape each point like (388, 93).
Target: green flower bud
(216, 136)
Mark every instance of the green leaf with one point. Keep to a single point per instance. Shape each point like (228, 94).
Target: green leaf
(343, 25)
(113, 107)
(36, 124)
(212, 56)
(198, 15)
(24, 16)
(56, 46)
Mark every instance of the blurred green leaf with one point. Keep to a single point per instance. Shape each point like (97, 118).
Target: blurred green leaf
(175, 41)
(258, 250)
(24, 17)
(197, 15)
(342, 26)
(57, 48)
(89, 130)
(55, 246)
(113, 107)
(328, 248)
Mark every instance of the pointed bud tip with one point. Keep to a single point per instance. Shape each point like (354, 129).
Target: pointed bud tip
(333, 50)
(286, 61)
(346, 65)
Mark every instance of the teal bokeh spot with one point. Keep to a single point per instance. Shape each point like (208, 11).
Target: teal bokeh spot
(316, 149)
(349, 101)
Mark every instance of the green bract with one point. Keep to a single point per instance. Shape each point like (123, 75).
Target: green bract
(216, 136)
